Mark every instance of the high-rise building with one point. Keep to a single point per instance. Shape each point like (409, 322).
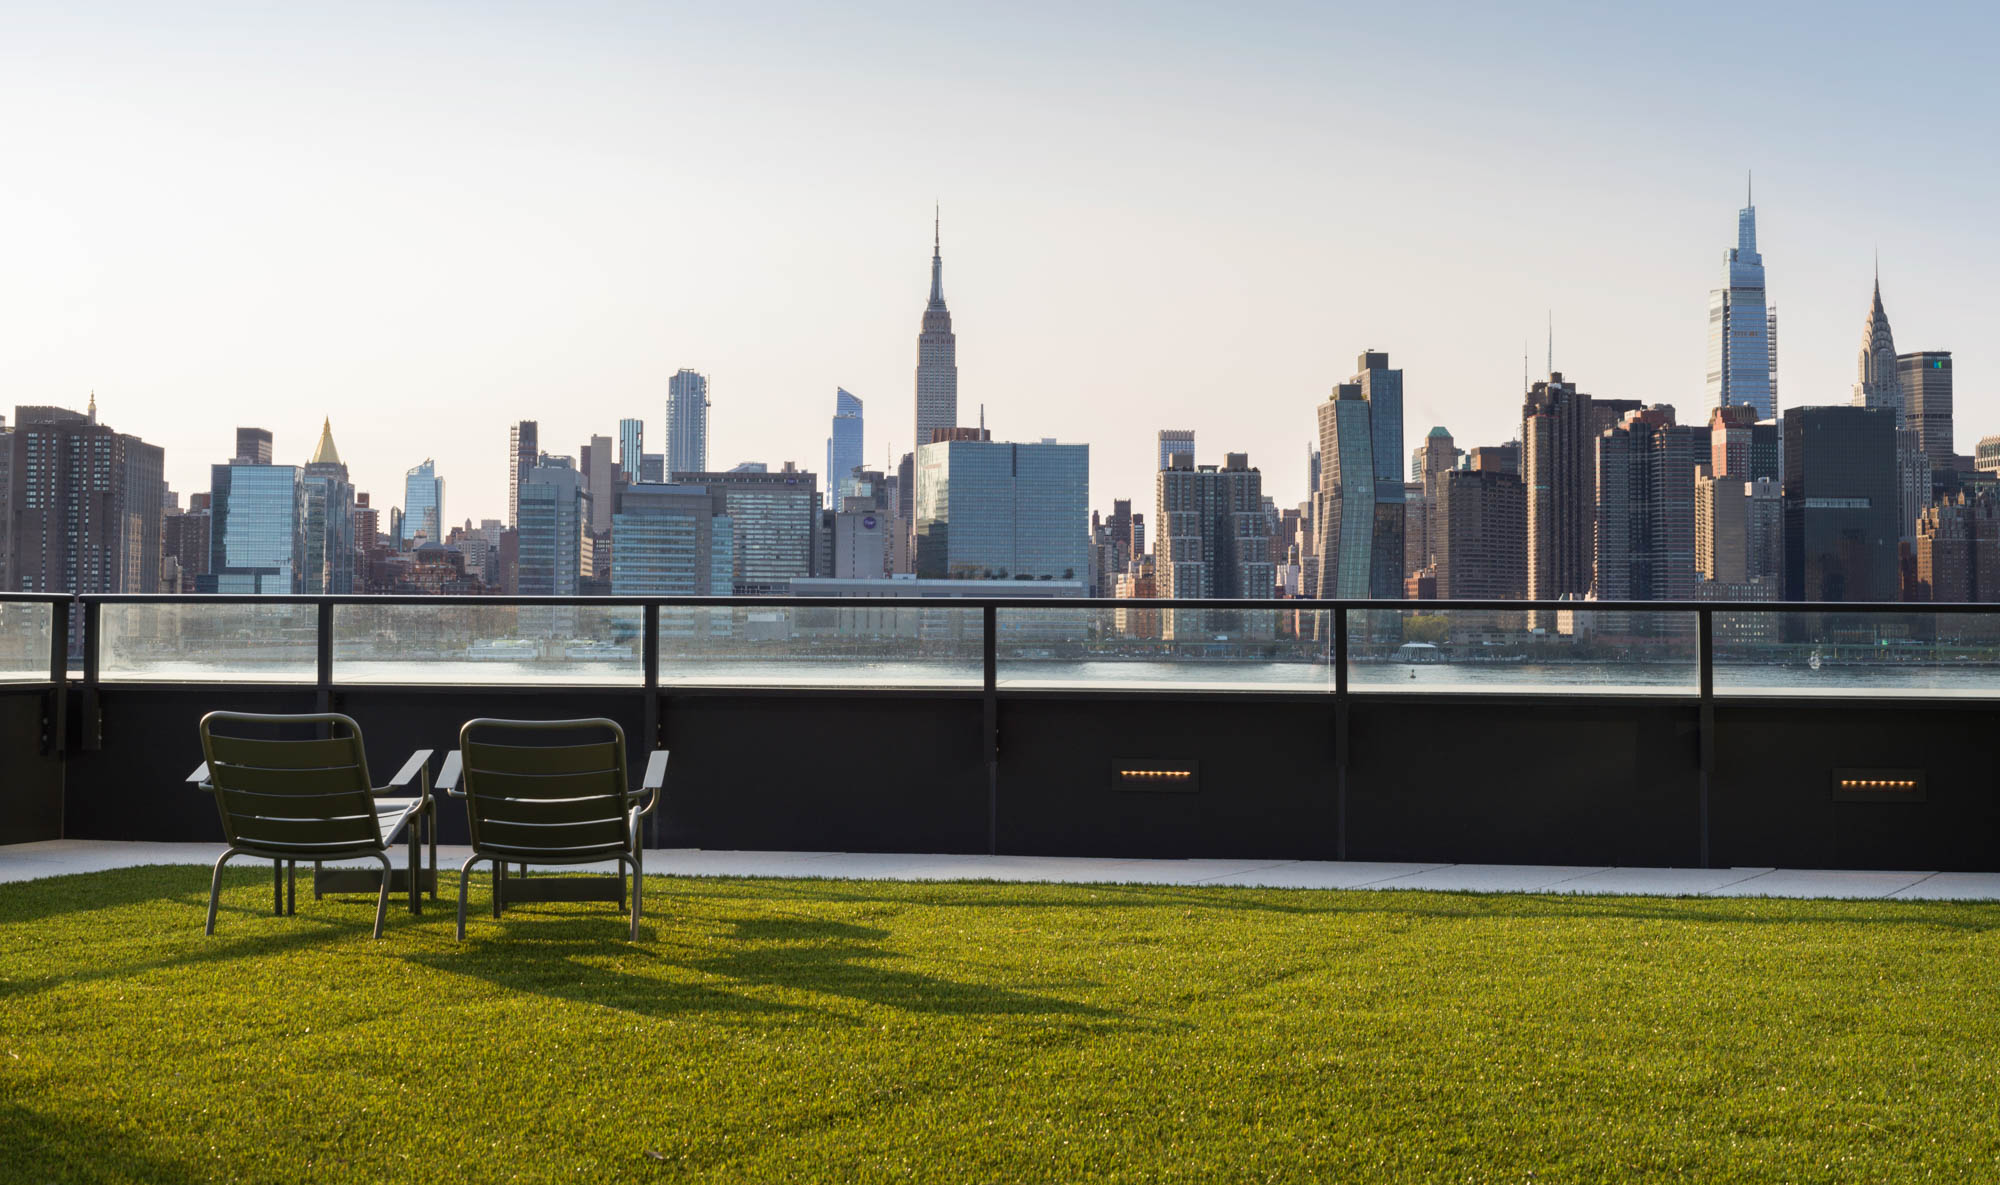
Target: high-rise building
(1925, 379)
(1559, 473)
(937, 356)
(1958, 550)
(1213, 541)
(844, 447)
(992, 509)
(1175, 440)
(600, 480)
(1841, 503)
(1645, 511)
(1431, 460)
(653, 468)
(1482, 536)
(550, 530)
(256, 541)
(523, 452)
(1495, 458)
(1382, 388)
(1742, 331)
(1344, 513)
(775, 523)
(6, 506)
(631, 448)
(687, 424)
(327, 549)
(84, 504)
(184, 541)
(253, 446)
(423, 505)
(672, 539)
(1876, 382)
(1730, 433)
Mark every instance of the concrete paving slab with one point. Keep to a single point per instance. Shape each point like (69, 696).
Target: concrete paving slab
(1656, 882)
(1953, 886)
(1489, 878)
(1324, 874)
(1795, 882)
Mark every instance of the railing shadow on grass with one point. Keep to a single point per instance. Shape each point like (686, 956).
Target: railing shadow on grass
(38, 1146)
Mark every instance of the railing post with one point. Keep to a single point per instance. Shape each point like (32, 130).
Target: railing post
(1340, 731)
(649, 652)
(990, 628)
(93, 715)
(1705, 661)
(323, 656)
(55, 720)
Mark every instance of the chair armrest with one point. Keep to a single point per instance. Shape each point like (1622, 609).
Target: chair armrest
(656, 780)
(448, 776)
(200, 776)
(415, 768)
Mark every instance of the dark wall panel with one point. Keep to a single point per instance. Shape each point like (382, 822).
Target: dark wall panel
(31, 781)
(1520, 781)
(1265, 778)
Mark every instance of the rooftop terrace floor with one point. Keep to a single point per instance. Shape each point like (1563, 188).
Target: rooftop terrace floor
(28, 861)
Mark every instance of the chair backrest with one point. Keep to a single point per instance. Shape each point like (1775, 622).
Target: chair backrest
(548, 789)
(299, 792)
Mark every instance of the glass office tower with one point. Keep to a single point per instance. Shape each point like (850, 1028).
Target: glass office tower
(423, 504)
(255, 535)
(990, 509)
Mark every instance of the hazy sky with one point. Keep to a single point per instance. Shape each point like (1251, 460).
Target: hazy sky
(428, 221)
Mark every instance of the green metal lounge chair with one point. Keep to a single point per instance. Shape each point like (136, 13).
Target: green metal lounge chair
(552, 792)
(306, 796)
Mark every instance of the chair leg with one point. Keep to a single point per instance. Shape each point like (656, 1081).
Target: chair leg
(382, 895)
(277, 888)
(464, 875)
(215, 889)
(638, 894)
(431, 835)
(291, 888)
(499, 884)
(416, 870)
(316, 893)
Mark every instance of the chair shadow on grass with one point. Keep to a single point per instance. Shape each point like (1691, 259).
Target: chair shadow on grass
(37, 1146)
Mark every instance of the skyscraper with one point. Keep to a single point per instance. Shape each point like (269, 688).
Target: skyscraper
(423, 504)
(1482, 536)
(687, 424)
(937, 356)
(774, 521)
(550, 532)
(1925, 379)
(523, 450)
(631, 447)
(991, 509)
(1344, 511)
(1382, 388)
(1175, 440)
(256, 541)
(253, 446)
(84, 504)
(1213, 542)
(1876, 381)
(672, 540)
(600, 477)
(844, 447)
(1742, 331)
(1842, 508)
(1645, 511)
(1559, 473)
(327, 549)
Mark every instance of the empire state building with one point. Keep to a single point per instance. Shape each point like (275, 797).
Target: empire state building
(937, 358)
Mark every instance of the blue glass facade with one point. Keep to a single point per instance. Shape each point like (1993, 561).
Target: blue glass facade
(423, 504)
(670, 540)
(987, 509)
(256, 534)
(844, 448)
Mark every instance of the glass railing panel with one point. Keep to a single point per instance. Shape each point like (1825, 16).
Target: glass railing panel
(196, 641)
(460, 644)
(797, 646)
(24, 641)
(1193, 649)
(1440, 649)
(1920, 655)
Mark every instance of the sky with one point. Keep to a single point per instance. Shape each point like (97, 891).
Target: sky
(427, 221)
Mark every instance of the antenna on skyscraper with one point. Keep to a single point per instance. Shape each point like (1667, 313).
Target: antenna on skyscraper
(1552, 341)
(982, 421)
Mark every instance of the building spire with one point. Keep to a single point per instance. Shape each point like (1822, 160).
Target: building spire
(937, 261)
(93, 406)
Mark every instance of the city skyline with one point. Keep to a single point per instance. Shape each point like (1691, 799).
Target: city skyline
(1096, 297)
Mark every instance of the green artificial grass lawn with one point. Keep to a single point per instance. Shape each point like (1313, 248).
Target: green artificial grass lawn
(842, 1031)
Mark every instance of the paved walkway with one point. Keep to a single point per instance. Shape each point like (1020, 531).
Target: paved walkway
(56, 857)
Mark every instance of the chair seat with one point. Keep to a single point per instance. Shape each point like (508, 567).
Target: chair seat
(393, 814)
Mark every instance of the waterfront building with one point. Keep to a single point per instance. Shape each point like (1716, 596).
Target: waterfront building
(550, 530)
(1482, 536)
(1344, 512)
(83, 505)
(523, 452)
(937, 357)
(1925, 380)
(687, 424)
(256, 536)
(775, 521)
(327, 552)
(672, 540)
(1645, 539)
(1213, 541)
(1382, 389)
(1559, 476)
(993, 509)
(1175, 440)
(423, 505)
(1958, 550)
(1136, 585)
(844, 447)
(1418, 512)
(1842, 508)
(1742, 329)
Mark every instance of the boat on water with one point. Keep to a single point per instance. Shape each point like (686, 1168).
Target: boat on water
(597, 652)
(502, 650)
